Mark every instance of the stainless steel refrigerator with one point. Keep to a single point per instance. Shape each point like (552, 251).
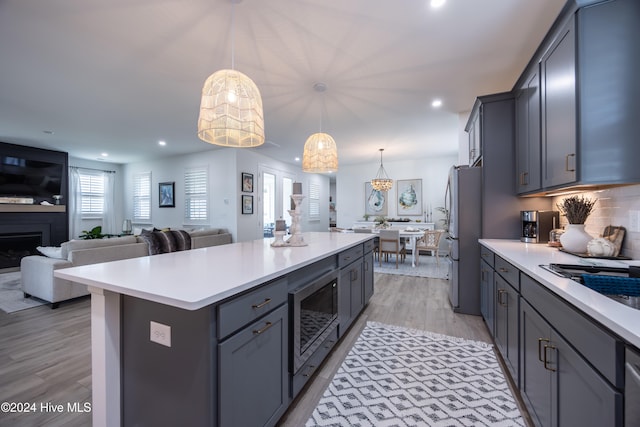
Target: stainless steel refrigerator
(464, 203)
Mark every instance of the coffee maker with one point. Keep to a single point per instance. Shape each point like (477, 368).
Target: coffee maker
(536, 225)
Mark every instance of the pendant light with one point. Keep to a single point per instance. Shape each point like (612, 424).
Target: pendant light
(320, 153)
(381, 182)
(231, 106)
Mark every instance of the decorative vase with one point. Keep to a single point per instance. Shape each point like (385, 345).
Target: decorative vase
(575, 239)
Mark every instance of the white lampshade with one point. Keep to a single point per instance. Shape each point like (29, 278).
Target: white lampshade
(320, 154)
(231, 111)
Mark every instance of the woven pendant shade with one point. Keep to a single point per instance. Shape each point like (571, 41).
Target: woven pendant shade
(320, 154)
(231, 111)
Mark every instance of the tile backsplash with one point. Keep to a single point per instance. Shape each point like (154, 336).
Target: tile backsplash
(615, 206)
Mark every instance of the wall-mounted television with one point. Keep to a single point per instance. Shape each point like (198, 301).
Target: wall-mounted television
(26, 177)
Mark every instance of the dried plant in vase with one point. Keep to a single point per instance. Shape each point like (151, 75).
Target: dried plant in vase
(576, 208)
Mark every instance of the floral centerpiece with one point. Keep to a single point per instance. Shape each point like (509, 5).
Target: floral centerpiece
(577, 209)
(381, 222)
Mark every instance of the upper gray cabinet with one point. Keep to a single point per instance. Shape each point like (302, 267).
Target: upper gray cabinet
(579, 122)
(558, 91)
(474, 129)
(528, 132)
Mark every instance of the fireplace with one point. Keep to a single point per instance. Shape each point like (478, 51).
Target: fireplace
(15, 246)
(18, 241)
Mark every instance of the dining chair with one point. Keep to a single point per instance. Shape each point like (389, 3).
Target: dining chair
(430, 241)
(390, 244)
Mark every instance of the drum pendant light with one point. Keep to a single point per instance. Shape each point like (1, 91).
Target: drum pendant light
(381, 182)
(231, 107)
(320, 153)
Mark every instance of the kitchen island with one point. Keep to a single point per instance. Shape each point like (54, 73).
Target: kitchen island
(198, 337)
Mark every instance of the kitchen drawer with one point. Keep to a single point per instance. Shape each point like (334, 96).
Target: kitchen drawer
(369, 245)
(508, 272)
(596, 345)
(347, 257)
(487, 255)
(311, 366)
(236, 313)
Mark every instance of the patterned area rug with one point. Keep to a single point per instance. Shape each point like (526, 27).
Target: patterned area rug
(395, 376)
(11, 297)
(427, 267)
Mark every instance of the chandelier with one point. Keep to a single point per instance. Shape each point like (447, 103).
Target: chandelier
(231, 107)
(320, 153)
(381, 182)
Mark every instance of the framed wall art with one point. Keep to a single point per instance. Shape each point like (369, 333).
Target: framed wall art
(375, 202)
(409, 197)
(247, 204)
(166, 192)
(247, 182)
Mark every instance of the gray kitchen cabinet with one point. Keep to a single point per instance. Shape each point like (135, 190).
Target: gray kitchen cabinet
(350, 294)
(253, 377)
(487, 298)
(474, 129)
(507, 324)
(558, 87)
(528, 167)
(368, 271)
(559, 387)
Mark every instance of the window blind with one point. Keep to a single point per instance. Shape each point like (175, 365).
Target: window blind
(142, 197)
(314, 201)
(91, 193)
(196, 194)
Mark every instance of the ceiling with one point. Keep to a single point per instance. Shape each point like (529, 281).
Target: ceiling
(117, 76)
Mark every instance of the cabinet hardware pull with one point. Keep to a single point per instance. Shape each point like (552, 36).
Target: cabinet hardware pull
(262, 304)
(503, 270)
(500, 293)
(545, 361)
(266, 326)
(540, 341)
(308, 374)
(523, 180)
(566, 162)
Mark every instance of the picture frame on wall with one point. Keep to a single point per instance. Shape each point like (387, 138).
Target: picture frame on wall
(409, 197)
(375, 202)
(166, 192)
(247, 204)
(247, 182)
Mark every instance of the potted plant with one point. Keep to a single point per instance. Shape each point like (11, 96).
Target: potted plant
(94, 233)
(381, 222)
(576, 209)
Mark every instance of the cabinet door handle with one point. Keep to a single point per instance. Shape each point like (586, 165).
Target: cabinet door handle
(566, 162)
(308, 374)
(540, 341)
(523, 178)
(354, 275)
(500, 293)
(546, 361)
(267, 325)
(503, 270)
(262, 304)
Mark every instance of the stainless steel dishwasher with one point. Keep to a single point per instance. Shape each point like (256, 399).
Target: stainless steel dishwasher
(632, 389)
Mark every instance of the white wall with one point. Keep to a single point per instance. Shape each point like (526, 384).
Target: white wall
(350, 184)
(225, 167)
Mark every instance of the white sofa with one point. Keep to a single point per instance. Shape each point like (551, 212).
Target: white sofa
(37, 271)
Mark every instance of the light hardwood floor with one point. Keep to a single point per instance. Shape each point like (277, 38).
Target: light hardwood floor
(45, 354)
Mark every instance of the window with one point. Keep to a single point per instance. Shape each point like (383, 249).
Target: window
(196, 195)
(314, 201)
(142, 197)
(91, 194)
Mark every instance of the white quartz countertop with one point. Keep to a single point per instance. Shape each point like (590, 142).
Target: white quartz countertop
(199, 277)
(527, 257)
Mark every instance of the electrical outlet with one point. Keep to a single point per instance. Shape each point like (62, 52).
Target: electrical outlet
(634, 221)
(160, 333)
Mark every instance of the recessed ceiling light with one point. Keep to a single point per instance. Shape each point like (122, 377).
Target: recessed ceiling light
(297, 159)
(162, 143)
(48, 132)
(437, 3)
(436, 103)
(104, 154)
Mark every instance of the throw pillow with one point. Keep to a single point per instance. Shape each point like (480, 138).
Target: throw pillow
(183, 240)
(150, 239)
(166, 241)
(50, 251)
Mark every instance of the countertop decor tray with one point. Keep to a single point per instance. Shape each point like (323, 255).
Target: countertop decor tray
(585, 255)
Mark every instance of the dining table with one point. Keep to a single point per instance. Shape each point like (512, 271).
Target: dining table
(412, 234)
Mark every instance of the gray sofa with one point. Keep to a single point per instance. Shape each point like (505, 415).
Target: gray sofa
(37, 271)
